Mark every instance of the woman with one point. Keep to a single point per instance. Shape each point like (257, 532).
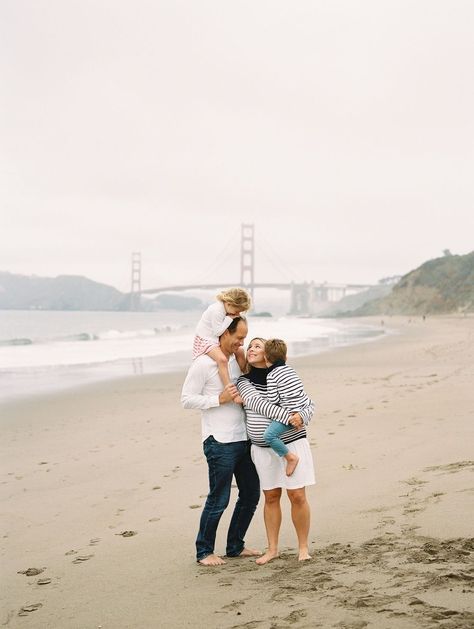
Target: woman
(270, 467)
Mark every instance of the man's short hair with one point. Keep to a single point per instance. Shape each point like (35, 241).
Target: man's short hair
(275, 349)
(235, 322)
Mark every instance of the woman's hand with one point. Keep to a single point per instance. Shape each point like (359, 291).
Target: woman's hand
(296, 421)
(228, 394)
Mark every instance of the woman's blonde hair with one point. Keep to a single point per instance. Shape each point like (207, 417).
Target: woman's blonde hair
(235, 297)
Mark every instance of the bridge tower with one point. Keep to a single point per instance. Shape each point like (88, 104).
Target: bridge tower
(136, 280)
(247, 257)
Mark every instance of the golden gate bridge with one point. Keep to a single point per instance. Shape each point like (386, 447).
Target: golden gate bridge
(305, 297)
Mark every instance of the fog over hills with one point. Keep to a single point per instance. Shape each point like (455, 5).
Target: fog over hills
(438, 286)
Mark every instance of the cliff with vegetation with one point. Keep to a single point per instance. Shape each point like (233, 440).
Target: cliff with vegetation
(440, 286)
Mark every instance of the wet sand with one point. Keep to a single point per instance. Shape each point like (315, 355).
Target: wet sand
(102, 488)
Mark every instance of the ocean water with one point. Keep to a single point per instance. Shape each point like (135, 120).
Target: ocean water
(44, 351)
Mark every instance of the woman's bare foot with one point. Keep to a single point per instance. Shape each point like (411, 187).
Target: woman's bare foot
(304, 555)
(268, 556)
(250, 552)
(291, 463)
(212, 560)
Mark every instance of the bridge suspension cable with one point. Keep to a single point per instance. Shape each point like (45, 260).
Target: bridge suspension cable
(225, 254)
(272, 256)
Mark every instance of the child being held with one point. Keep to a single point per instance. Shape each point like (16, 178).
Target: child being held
(284, 388)
(214, 321)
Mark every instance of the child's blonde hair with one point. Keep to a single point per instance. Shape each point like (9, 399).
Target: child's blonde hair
(236, 297)
(275, 349)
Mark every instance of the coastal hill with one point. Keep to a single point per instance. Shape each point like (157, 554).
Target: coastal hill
(440, 286)
(65, 292)
(75, 292)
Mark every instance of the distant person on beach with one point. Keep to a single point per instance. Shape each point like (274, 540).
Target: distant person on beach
(285, 389)
(226, 447)
(214, 321)
(270, 467)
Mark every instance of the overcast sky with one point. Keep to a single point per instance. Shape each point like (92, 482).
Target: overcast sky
(342, 129)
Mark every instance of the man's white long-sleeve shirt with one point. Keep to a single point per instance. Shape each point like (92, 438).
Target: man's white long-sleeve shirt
(201, 390)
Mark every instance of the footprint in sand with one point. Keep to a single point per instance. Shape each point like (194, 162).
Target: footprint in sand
(154, 520)
(156, 487)
(451, 468)
(194, 506)
(27, 609)
(233, 605)
(82, 558)
(32, 572)
(127, 533)
(414, 481)
(94, 541)
(295, 616)
(225, 583)
(44, 581)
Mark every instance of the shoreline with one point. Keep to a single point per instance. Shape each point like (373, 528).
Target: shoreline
(392, 442)
(27, 382)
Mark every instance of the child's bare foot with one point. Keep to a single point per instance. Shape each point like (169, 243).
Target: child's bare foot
(268, 556)
(212, 560)
(291, 463)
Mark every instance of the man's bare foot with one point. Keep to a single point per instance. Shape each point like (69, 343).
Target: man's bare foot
(291, 463)
(250, 552)
(211, 560)
(268, 556)
(304, 555)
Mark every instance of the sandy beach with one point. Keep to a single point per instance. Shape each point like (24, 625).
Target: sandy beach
(102, 489)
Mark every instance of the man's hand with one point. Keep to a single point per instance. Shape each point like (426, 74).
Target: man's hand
(296, 421)
(228, 394)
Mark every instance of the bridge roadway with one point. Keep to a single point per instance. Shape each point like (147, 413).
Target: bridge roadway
(279, 286)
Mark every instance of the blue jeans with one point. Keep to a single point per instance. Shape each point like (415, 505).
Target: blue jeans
(272, 437)
(226, 460)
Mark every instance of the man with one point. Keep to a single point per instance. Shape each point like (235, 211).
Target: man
(226, 447)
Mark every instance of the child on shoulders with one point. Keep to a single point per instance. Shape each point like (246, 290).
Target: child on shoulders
(231, 303)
